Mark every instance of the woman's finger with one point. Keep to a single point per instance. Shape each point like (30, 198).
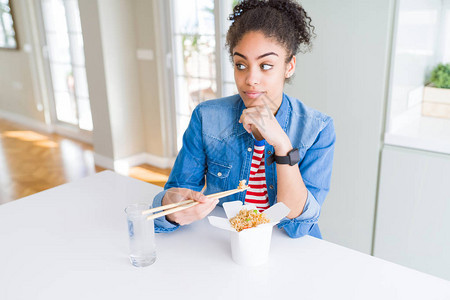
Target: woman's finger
(209, 208)
(200, 197)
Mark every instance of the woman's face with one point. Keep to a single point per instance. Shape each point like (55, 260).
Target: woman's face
(260, 70)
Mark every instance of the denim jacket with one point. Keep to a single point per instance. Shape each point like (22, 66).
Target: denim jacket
(218, 151)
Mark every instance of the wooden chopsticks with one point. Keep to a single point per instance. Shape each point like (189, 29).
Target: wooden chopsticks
(174, 207)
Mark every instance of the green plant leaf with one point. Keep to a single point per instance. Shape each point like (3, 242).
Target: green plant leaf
(440, 76)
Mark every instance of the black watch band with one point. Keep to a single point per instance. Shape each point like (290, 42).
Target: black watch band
(292, 158)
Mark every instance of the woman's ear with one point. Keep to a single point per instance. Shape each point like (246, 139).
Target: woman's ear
(290, 67)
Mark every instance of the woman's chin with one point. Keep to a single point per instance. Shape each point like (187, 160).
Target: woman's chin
(252, 102)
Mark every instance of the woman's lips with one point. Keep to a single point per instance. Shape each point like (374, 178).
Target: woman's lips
(253, 95)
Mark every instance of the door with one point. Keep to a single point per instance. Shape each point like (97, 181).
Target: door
(65, 65)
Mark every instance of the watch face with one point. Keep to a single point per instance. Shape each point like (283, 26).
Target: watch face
(294, 157)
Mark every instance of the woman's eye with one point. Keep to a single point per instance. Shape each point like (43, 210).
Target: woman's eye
(266, 67)
(240, 66)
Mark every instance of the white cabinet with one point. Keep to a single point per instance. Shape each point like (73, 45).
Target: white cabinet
(413, 214)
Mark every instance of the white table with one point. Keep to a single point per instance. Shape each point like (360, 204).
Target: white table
(71, 242)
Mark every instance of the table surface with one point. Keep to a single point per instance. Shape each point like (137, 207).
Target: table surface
(71, 242)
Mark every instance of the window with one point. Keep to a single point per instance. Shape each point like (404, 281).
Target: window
(64, 41)
(202, 67)
(7, 32)
(421, 41)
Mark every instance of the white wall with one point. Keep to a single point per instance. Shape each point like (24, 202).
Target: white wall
(122, 77)
(150, 83)
(345, 77)
(95, 73)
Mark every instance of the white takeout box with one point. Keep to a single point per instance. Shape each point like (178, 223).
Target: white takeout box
(251, 246)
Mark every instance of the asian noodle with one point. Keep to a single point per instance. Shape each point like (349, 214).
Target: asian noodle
(248, 219)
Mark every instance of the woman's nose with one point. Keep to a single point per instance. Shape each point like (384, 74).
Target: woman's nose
(253, 77)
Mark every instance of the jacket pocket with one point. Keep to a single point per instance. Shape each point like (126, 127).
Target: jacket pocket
(217, 176)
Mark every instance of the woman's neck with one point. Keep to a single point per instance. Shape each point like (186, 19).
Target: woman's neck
(275, 105)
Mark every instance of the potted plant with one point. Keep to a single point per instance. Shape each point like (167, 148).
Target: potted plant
(436, 94)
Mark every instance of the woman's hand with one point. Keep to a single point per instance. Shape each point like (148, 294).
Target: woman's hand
(189, 215)
(260, 119)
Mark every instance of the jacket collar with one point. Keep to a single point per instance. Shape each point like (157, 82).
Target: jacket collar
(283, 112)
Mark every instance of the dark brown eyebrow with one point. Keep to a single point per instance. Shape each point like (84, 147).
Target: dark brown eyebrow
(238, 54)
(259, 57)
(267, 54)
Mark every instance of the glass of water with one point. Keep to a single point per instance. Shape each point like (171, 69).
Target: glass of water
(142, 235)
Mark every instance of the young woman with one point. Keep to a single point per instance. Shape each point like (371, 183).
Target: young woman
(281, 147)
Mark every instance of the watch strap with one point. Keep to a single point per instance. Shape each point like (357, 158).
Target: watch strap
(284, 160)
(271, 159)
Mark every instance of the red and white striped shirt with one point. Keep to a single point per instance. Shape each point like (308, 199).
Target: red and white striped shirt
(257, 189)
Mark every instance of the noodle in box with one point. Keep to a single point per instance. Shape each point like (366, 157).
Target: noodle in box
(250, 245)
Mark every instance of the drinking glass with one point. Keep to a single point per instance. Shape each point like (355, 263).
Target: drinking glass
(142, 235)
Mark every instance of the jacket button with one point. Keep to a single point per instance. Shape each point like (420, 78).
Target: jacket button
(269, 152)
(249, 149)
(271, 187)
(219, 174)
